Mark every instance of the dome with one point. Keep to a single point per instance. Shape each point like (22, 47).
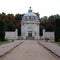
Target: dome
(30, 15)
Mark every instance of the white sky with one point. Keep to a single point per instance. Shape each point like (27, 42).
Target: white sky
(44, 7)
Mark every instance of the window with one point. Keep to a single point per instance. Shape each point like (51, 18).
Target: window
(29, 17)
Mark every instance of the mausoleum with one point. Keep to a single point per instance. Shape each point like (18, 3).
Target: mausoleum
(30, 25)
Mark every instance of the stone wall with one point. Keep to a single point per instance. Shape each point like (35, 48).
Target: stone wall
(14, 35)
(11, 35)
(49, 35)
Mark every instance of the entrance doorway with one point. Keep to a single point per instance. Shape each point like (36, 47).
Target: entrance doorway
(30, 37)
(30, 34)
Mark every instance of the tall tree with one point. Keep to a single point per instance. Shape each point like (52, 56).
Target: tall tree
(2, 30)
(10, 18)
(18, 18)
(57, 30)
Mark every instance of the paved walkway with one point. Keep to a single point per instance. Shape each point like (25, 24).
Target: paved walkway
(5, 48)
(54, 48)
(29, 50)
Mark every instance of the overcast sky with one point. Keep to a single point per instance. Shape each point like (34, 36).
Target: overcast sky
(44, 7)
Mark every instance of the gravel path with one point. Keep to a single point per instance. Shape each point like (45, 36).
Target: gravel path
(29, 50)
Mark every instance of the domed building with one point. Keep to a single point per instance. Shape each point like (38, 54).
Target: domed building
(30, 25)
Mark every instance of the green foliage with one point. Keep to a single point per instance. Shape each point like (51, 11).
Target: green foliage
(57, 42)
(52, 23)
(11, 26)
(41, 30)
(49, 22)
(57, 30)
(19, 31)
(38, 15)
(4, 42)
(18, 17)
(49, 28)
(2, 30)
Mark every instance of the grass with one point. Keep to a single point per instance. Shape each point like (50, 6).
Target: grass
(4, 42)
(57, 42)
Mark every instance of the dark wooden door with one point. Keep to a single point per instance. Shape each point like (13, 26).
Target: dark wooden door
(30, 34)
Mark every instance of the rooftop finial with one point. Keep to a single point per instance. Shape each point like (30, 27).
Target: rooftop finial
(30, 10)
(30, 7)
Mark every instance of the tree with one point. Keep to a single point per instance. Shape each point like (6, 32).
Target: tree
(57, 30)
(2, 30)
(18, 18)
(11, 26)
(38, 15)
(41, 30)
(44, 20)
(49, 28)
(48, 22)
(10, 18)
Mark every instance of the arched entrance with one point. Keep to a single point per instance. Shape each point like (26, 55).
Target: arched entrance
(30, 35)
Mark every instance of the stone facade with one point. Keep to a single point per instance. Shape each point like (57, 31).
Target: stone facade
(30, 26)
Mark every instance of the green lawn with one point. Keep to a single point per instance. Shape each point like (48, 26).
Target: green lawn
(57, 42)
(4, 42)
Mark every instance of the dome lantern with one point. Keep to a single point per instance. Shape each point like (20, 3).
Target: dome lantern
(30, 10)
